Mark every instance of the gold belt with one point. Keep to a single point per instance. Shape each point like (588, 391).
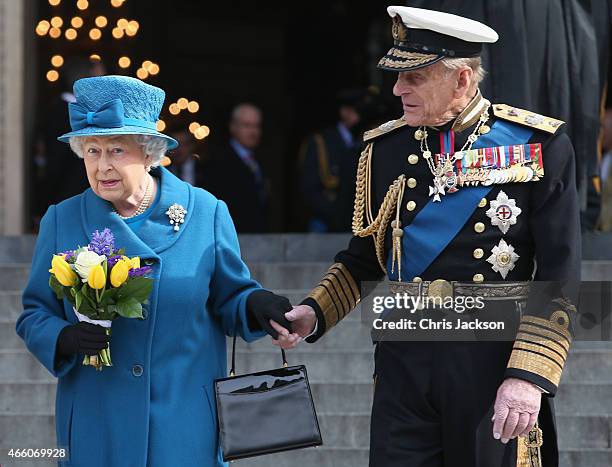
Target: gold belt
(441, 288)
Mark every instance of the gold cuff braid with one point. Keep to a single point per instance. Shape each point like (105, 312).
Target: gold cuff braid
(377, 227)
(541, 346)
(337, 294)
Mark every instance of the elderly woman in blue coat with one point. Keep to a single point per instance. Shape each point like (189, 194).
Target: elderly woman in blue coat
(155, 405)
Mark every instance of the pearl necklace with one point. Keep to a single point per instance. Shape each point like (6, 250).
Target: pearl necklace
(144, 204)
(444, 171)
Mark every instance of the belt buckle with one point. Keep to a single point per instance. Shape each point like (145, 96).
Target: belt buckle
(440, 288)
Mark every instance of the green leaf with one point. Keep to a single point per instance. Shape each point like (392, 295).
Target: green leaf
(56, 287)
(78, 300)
(129, 308)
(138, 288)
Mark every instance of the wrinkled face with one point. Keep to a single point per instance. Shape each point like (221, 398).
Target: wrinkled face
(246, 127)
(426, 93)
(115, 165)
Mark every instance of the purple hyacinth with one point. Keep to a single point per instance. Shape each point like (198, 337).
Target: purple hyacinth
(68, 255)
(137, 272)
(102, 243)
(113, 260)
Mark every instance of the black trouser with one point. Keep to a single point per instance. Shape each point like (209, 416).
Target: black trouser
(433, 404)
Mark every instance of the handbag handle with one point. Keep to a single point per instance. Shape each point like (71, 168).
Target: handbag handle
(233, 369)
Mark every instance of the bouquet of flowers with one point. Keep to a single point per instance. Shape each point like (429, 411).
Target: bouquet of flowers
(102, 284)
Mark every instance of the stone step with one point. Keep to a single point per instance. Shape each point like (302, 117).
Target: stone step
(20, 394)
(10, 304)
(323, 364)
(336, 457)
(27, 430)
(579, 437)
(281, 275)
(14, 276)
(586, 458)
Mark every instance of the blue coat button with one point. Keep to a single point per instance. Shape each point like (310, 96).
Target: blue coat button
(137, 370)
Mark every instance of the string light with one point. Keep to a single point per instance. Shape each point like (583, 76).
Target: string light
(147, 64)
(117, 3)
(71, 34)
(42, 27)
(132, 28)
(57, 22)
(193, 107)
(174, 109)
(124, 62)
(182, 103)
(202, 132)
(142, 73)
(95, 34)
(117, 33)
(101, 21)
(193, 126)
(95, 58)
(160, 125)
(82, 4)
(57, 61)
(76, 22)
(54, 2)
(55, 32)
(52, 75)
(154, 69)
(122, 23)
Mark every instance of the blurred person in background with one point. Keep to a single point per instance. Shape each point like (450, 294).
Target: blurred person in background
(605, 222)
(53, 160)
(234, 175)
(185, 163)
(329, 161)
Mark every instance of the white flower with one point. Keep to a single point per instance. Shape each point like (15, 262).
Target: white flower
(85, 261)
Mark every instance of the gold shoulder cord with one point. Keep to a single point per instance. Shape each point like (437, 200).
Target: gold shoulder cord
(363, 204)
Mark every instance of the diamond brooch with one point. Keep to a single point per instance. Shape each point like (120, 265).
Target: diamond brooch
(176, 213)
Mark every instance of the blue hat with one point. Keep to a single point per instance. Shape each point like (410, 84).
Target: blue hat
(115, 105)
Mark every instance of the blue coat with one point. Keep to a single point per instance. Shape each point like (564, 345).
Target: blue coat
(165, 414)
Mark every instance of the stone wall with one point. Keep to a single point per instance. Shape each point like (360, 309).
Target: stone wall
(12, 205)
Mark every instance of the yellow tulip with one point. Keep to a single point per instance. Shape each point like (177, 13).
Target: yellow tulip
(62, 271)
(119, 273)
(96, 279)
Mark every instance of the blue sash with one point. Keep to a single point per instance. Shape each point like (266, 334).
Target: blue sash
(437, 224)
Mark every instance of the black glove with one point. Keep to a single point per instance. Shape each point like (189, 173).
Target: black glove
(263, 306)
(82, 337)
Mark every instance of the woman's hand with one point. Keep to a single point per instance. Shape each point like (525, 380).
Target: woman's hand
(267, 309)
(85, 338)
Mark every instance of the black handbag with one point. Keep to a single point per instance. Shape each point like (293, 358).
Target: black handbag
(265, 412)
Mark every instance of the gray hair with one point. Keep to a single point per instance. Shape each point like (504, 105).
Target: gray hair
(153, 146)
(475, 63)
(237, 110)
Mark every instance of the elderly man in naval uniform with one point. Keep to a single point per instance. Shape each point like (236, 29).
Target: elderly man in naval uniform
(459, 197)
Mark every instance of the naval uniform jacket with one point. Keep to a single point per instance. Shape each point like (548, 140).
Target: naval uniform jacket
(545, 235)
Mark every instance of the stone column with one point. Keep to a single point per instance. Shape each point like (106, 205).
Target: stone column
(12, 200)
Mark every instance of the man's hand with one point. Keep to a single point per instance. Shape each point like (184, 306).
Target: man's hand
(303, 320)
(516, 409)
